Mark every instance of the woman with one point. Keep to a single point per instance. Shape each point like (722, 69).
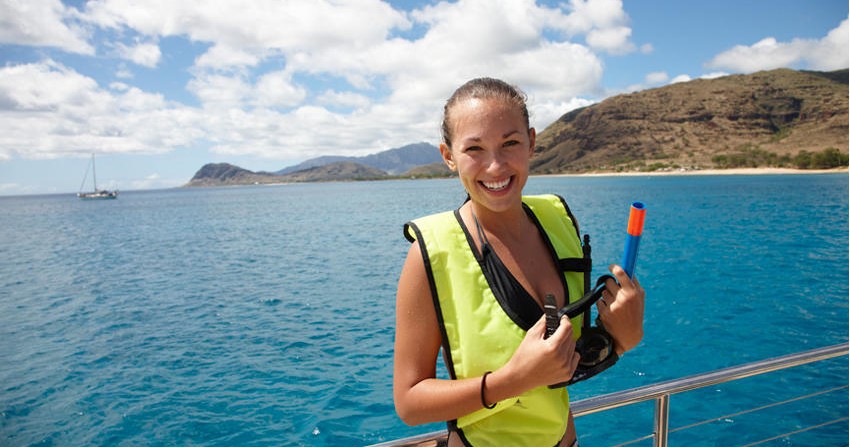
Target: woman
(475, 282)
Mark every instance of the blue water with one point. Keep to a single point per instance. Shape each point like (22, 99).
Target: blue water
(260, 316)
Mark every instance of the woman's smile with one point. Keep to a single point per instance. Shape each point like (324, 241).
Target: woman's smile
(497, 185)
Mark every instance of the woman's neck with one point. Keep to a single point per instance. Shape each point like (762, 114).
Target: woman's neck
(508, 224)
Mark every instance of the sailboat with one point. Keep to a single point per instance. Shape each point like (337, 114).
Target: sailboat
(96, 193)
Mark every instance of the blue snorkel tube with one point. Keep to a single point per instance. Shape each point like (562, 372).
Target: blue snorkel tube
(634, 231)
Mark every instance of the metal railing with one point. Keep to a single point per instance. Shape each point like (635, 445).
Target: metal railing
(661, 392)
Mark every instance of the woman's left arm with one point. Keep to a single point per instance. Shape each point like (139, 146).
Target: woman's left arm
(621, 309)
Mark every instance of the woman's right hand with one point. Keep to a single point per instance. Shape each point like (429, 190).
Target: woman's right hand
(538, 361)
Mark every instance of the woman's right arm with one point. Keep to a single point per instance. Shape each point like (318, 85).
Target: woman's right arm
(422, 398)
(419, 396)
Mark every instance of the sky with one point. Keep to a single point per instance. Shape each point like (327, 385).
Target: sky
(158, 88)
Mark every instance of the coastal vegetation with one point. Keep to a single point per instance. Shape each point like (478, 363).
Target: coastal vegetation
(778, 119)
(750, 157)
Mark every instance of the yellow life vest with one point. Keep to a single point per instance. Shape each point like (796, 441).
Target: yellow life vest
(477, 333)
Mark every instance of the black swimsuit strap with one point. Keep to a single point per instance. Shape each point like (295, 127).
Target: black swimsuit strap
(517, 302)
(482, 238)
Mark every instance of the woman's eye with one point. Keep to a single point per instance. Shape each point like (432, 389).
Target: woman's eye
(510, 143)
(472, 149)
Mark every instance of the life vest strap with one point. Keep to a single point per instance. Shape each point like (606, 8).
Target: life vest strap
(582, 265)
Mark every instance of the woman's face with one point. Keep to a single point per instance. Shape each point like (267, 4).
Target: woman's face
(491, 147)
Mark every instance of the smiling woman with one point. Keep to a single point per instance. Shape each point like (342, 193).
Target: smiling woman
(474, 284)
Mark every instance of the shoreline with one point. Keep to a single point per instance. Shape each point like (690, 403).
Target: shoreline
(689, 172)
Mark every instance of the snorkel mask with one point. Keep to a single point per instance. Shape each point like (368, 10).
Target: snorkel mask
(595, 346)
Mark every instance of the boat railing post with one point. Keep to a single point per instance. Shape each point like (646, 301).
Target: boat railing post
(662, 419)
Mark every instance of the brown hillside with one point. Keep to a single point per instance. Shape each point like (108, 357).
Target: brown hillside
(343, 170)
(225, 174)
(688, 124)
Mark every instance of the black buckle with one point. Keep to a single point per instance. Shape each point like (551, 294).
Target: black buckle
(595, 346)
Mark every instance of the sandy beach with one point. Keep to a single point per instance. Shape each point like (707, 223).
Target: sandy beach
(735, 171)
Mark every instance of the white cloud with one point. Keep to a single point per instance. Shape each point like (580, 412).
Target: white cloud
(146, 54)
(713, 75)
(347, 85)
(545, 114)
(257, 26)
(680, 78)
(831, 52)
(220, 90)
(603, 22)
(224, 56)
(41, 23)
(407, 80)
(48, 110)
(124, 73)
(343, 99)
(828, 53)
(586, 15)
(613, 40)
(276, 89)
(657, 77)
(119, 86)
(43, 87)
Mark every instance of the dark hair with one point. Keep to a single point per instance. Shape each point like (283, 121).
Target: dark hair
(483, 88)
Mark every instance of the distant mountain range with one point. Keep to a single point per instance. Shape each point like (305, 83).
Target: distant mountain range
(392, 162)
(413, 160)
(773, 118)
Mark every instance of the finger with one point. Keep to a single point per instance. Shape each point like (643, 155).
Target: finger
(638, 287)
(622, 277)
(611, 288)
(566, 324)
(539, 328)
(565, 328)
(574, 363)
(604, 303)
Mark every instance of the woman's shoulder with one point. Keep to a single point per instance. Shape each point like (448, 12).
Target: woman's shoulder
(432, 223)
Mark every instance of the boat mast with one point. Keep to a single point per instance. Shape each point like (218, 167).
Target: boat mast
(85, 177)
(93, 172)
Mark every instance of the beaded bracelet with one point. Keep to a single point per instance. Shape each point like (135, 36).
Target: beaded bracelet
(484, 402)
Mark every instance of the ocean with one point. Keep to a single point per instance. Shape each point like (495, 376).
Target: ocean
(264, 315)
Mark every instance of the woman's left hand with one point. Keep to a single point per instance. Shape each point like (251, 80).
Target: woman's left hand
(621, 309)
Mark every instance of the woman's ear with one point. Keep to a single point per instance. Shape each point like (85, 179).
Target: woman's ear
(446, 152)
(532, 137)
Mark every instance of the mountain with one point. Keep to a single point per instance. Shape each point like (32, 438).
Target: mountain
(393, 161)
(407, 161)
(430, 170)
(342, 170)
(224, 174)
(761, 119)
(314, 162)
(772, 118)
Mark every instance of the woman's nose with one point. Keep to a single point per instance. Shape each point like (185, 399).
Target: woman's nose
(497, 161)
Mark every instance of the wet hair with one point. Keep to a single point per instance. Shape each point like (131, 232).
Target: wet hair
(483, 88)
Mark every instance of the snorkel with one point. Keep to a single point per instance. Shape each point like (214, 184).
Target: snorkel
(637, 212)
(596, 346)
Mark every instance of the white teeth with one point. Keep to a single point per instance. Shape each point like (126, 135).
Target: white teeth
(495, 186)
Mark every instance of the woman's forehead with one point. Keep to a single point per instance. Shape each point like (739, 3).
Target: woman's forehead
(485, 113)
